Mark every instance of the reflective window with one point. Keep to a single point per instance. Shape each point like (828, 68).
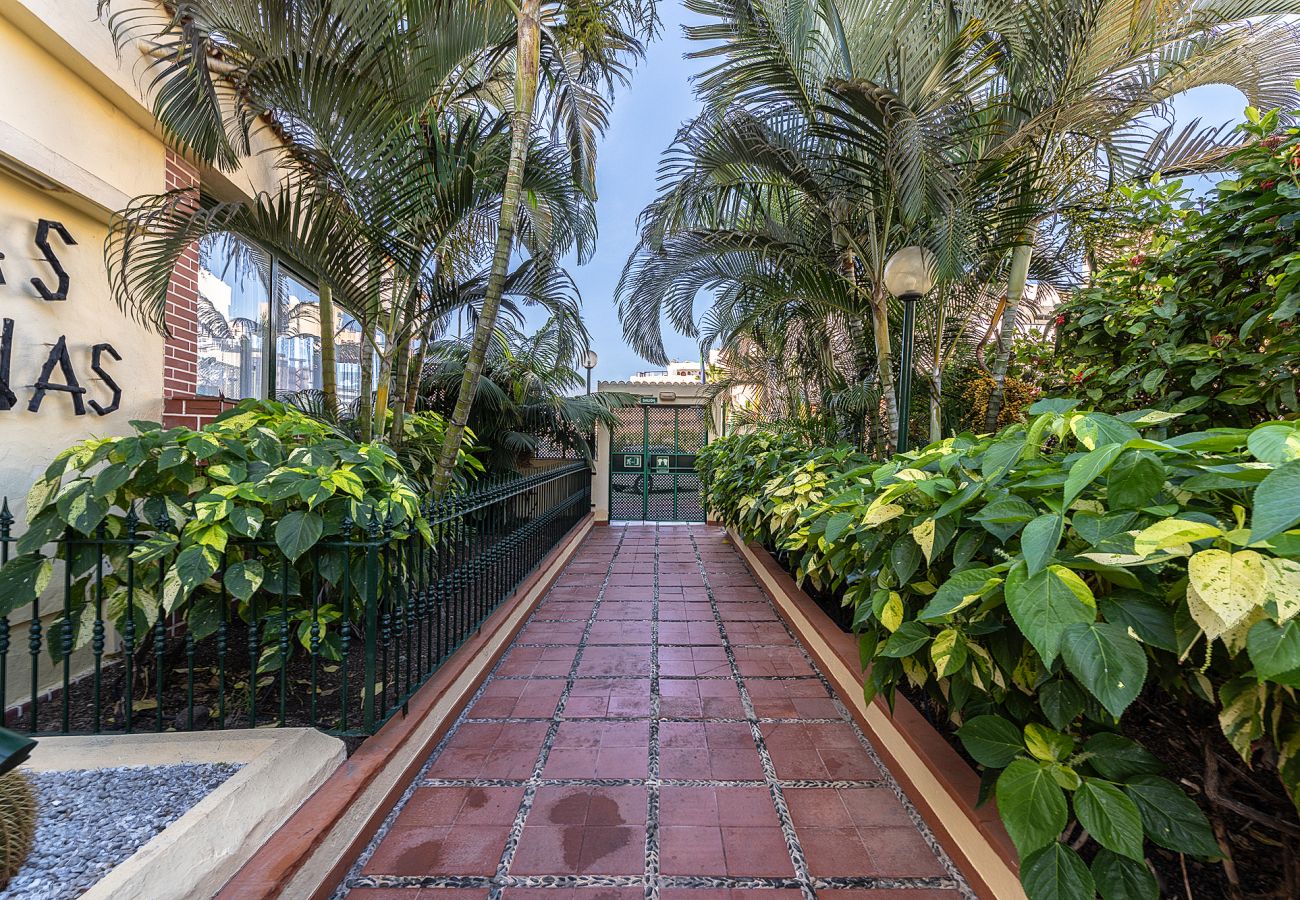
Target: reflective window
(297, 338)
(233, 310)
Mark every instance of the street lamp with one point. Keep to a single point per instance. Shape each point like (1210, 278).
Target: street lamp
(589, 362)
(909, 275)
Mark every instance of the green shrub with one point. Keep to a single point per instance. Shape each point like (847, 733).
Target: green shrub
(1033, 581)
(220, 508)
(1199, 316)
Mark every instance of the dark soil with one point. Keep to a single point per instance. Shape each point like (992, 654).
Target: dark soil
(1265, 855)
(222, 699)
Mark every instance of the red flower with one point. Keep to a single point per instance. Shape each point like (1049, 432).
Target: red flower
(1137, 260)
(1060, 320)
(1272, 142)
(1268, 185)
(1220, 340)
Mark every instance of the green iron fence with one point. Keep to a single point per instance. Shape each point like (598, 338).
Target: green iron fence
(339, 639)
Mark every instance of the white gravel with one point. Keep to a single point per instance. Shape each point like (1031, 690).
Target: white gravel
(93, 819)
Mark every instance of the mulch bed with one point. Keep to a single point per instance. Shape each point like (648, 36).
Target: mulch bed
(204, 714)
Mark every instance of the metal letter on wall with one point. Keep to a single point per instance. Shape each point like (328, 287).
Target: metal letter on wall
(43, 242)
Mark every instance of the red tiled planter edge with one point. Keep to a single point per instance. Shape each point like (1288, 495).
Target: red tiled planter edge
(939, 781)
(277, 869)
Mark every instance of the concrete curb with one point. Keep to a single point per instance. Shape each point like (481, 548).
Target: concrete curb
(202, 849)
(941, 784)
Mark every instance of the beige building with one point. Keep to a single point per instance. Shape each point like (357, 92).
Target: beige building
(78, 142)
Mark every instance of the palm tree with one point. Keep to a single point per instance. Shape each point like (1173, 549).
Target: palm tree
(826, 144)
(396, 148)
(586, 42)
(1086, 87)
(527, 394)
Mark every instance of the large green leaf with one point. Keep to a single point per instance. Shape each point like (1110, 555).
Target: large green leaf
(1275, 443)
(1005, 516)
(1134, 479)
(1061, 701)
(195, 565)
(1039, 540)
(837, 524)
(298, 532)
(905, 558)
(1044, 605)
(909, 638)
(1056, 873)
(1117, 758)
(1089, 468)
(1096, 429)
(22, 579)
(1107, 661)
(1170, 818)
(958, 592)
(1110, 817)
(1120, 878)
(244, 578)
(1275, 649)
(1032, 805)
(1276, 502)
(991, 741)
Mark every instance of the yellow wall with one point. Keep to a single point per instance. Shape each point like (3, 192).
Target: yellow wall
(72, 120)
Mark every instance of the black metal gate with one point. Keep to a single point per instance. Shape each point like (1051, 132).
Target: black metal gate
(652, 474)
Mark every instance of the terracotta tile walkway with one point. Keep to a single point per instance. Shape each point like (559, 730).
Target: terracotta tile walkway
(655, 731)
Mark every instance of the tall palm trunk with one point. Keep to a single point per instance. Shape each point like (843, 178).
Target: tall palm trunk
(416, 375)
(885, 363)
(364, 418)
(527, 55)
(936, 401)
(329, 374)
(1016, 281)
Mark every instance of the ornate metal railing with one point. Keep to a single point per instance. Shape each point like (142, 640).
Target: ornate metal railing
(339, 639)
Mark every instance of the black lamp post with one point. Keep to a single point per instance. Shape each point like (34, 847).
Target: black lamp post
(909, 276)
(14, 750)
(589, 362)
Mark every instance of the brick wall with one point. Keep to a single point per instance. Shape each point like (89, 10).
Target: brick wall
(181, 405)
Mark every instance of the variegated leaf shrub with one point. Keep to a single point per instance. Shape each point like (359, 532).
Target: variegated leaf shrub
(1034, 581)
(176, 522)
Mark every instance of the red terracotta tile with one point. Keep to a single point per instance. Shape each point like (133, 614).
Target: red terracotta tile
(538, 661)
(434, 806)
(691, 850)
(900, 852)
(463, 850)
(835, 852)
(756, 851)
(800, 699)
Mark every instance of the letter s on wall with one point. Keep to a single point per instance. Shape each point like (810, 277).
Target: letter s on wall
(95, 353)
(43, 227)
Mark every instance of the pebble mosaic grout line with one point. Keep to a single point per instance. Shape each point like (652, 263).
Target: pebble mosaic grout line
(792, 844)
(713, 720)
(787, 783)
(679, 882)
(653, 791)
(530, 792)
(890, 781)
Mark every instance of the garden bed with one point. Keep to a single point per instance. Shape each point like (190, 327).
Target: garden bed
(1262, 840)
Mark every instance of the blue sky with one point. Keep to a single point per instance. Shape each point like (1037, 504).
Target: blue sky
(646, 116)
